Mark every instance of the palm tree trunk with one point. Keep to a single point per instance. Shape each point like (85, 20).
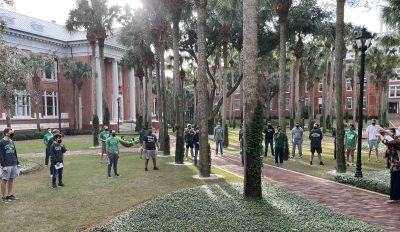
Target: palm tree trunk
(166, 150)
(93, 66)
(202, 92)
(231, 102)
(179, 149)
(253, 107)
(80, 108)
(339, 45)
(8, 118)
(103, 74)
(282, 72)
(149, 92)
(297, 90)
(74, 104)
(145, 97)
(159, 105)
(292, 106)
(311, 91)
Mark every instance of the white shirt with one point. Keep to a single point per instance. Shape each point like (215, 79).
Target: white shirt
(372, 132)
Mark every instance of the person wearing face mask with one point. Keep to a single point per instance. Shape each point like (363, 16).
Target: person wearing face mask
(297, 140)
(372, 134)
(350, 143)
(280, 139)
(57, 150)
(150, 144)
(46, 138)
(269, 132)
(316, 138)
(113, 153)
(50, 142)
(9, 165)
(104, 136)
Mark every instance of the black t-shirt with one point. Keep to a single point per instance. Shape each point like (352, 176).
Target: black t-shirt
(269, 133)
(315, 137)
(8, 153)
(150, 141)
(196, 137)
(189, 135)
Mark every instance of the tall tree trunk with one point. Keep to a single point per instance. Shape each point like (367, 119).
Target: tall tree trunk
(241, 86)
(339, 56)
(253, 147)
(297, 90)
(149, 93)
(163, 98)
(332, 99)
(145, 98)
(301, 93)
(75, 105)
(80, 107)
(325, 94)
(312, 106)
(93, 66)
(231, 98)
(292, 86)
(224, 81)
(159, 105)
(282, 71)
(202, 92)
(8, 118)
(179, 149)
(103, 74)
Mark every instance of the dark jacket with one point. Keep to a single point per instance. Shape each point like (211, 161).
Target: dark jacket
(269, 133)
(57, 152)
(8, 153)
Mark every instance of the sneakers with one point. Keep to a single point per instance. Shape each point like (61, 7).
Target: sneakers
(310, 162)
(12, 197)
(117, 174)
(53, 186)
(146, 169)
(60, 185)
(155, 168)
(109, 177)
(321, 163)
(5, 199)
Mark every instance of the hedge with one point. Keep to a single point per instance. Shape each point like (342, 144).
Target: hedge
(377, 181)
(223, 208)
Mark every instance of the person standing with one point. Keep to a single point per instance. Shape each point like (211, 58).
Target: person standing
(297, 140)
(189, 137)
(280, 139)
(9, 164)
(219, 139)
(372, 132)
(350, 143)
(103, 137)
(316, 139)
(49, 143)
(150, 144)
(112, 153)
(269, 132)
(142, 134)
(46, 141)
(196, 141)
(57, 150)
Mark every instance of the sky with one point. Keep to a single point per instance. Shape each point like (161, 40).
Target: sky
(57, 10)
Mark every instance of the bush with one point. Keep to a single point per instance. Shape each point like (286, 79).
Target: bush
(95, 123)
(226, 136)
(72, 131)
(377, 181)
(311, 123)
(19, 136)
(106, 117)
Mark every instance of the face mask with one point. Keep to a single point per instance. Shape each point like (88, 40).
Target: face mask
(373, 123)
(297, 126)
(59, 141)
(315, 127)
(113, 134)
(11, 135)
(106, 129)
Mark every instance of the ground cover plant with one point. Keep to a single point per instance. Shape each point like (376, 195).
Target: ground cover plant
(378, 181)
(89, 196)
(222, 208)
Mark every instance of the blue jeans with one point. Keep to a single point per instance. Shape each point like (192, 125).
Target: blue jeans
(297, 143)
(218, 143)
(271, 144)
(279, 154)
(56, 172)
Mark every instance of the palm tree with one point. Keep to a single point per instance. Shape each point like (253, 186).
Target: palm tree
(390, 13)
(175, 8)
(81, 18)
(78, 72)
(253, 107)
(282, 9)
(339, 56)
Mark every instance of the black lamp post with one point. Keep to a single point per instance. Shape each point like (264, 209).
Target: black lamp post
(59, 96)
(118, 101)
(363, 40)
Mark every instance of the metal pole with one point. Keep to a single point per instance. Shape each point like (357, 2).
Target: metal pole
(59, 96)
(360, 113)
(118, 101)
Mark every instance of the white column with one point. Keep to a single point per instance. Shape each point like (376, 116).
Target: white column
(115, 91)
(132, 94)
(99, 90)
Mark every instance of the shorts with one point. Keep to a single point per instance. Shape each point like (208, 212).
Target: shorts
(151, 154)
(197, 146)
(350, 148)
(372, 144)
(11, 173)
(191, 145)
(103, 148)
(316, 149)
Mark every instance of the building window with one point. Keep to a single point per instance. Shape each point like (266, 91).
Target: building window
(307, 102)
(365, 84)
(394, 91)
(286, 103)
(348, 85)
(364, 103)
(236, 104)
(50, 74)
(50, 101)
(349, 103)
(320, 86)
(22, 104)
(397, 77)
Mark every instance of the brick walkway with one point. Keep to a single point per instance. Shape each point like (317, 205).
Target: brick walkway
(364, 205)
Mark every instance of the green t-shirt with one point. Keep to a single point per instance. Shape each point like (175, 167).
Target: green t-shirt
(112, 143)
(350, 139)
(46, 137)
(104, 136)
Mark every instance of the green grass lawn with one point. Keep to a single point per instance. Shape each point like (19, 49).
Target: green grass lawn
(89, 196)
(303, 165)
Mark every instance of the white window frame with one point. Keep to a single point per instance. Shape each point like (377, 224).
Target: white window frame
(235, 106)
(351, 103)
(55, 106)
(395, 87)
(287, 102)
(364, 105)
(54, 72)
(397, 71)
(307, 102)
(27, 107)
(320, 86)
(348, 83)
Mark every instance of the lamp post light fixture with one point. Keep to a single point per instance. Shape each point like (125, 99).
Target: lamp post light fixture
(119, 102)
(363, 40)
